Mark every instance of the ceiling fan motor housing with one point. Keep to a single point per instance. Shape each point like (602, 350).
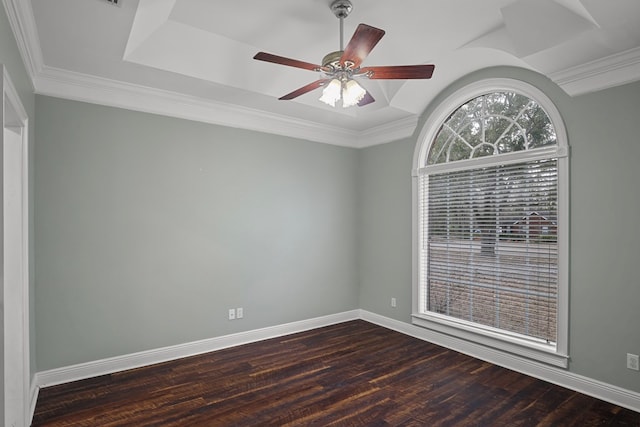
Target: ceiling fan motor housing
(332, 59)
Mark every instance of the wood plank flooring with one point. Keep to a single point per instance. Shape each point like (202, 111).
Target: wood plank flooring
(350, 374)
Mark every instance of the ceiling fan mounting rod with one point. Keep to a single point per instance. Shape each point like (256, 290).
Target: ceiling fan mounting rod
(341, 33)
(341, 9)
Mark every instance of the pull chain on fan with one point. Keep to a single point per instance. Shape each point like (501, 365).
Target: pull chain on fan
(341, 68)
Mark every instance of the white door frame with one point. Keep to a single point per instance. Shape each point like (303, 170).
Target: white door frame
(17, 361)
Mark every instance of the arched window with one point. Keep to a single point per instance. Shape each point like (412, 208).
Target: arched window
(490, 211)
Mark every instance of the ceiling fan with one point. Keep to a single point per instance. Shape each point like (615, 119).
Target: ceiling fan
(341, 68)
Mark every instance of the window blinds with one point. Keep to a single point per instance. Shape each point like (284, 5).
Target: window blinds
(489, 252)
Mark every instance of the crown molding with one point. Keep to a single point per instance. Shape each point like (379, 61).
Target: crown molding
(66, 84)
(23, 25)
(98, 90)
(613, 70)
(387, 132)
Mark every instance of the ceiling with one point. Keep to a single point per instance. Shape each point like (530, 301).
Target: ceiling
(193, 58)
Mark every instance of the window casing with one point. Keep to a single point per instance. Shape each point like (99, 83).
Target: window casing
(490, 186)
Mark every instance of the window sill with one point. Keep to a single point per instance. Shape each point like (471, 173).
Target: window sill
(492, 338)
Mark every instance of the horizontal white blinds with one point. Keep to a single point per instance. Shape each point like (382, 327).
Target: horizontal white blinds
(489, 246)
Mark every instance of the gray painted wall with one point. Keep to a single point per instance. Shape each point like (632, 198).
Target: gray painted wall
(605, 227)
(11, 59)
(605, 234)
(148, 229)
(385, 228)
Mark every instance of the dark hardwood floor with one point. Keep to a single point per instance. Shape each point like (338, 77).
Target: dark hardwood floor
(350, 374)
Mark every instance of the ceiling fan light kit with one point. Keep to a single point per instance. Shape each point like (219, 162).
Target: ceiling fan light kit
(349, 91)
(341, 68)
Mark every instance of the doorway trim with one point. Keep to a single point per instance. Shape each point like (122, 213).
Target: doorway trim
(17, 357)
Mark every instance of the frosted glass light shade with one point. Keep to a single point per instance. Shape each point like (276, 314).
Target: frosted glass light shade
(331, 93)
(352, 93)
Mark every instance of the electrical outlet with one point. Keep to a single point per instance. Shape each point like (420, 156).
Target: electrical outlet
(633, 362)
(232, 314)
(393, 302)
(239, 313)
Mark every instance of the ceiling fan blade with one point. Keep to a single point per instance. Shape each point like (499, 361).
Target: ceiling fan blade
(367, 99)
(400, 71)
(304, 89)
(268, 57)
(363, 41)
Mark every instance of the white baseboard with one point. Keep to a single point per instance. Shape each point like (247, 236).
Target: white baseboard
(600, 390)
(150, 357)
(561, 377)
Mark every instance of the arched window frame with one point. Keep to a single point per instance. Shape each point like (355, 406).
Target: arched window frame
(554, 355)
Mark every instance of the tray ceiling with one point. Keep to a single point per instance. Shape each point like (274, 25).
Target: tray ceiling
(193, 58)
